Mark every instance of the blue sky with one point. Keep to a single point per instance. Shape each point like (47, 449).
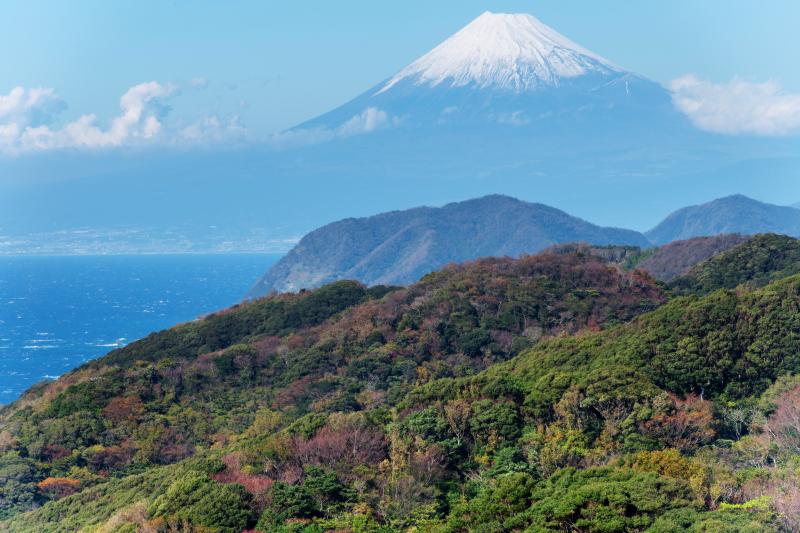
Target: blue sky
(266, 66)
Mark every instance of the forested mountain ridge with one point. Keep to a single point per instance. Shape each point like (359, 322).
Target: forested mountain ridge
(401, 246)
(671, 260)
(732, 214)
(551, 392)
(758, 260)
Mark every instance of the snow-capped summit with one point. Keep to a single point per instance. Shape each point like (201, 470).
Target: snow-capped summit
(503, 71)
(516, 52)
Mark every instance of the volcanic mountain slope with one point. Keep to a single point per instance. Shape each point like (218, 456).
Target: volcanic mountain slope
(504, 94)
(516, 52)
(401, 246)
(503, 70)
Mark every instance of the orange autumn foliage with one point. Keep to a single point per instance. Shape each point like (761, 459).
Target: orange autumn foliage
(59, 487)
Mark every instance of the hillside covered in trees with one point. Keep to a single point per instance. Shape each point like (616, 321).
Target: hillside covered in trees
(668, 262)
(399, 247)
(566, 391)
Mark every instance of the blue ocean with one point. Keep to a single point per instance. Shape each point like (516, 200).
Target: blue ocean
(58, 312)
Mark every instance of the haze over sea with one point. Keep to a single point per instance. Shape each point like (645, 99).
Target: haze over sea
(58, 312)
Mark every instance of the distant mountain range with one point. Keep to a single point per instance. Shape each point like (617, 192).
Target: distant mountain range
(401, 246)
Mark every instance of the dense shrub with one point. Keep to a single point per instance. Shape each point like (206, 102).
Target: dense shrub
(198, 500)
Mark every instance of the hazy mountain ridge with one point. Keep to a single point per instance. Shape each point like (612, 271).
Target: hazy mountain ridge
(399, 247)
(732, 214)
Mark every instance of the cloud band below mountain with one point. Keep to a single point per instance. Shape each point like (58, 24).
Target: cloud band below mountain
(737, 107)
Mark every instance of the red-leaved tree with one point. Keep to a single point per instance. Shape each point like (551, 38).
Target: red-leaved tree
(685, 425)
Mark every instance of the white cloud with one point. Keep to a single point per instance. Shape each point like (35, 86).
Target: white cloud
(737, 107)
(8, 133)
(27, 122)
(199, 82)
(31, 107)
(143, 107)
(516, 118)
(213, 129)
(369, 120)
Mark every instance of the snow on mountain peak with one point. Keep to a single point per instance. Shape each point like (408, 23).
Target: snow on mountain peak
(509, 51)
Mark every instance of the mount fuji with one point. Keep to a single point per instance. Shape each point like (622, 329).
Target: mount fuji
(508, 104)
(510, 72)
(505, 105)
(512, 52)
